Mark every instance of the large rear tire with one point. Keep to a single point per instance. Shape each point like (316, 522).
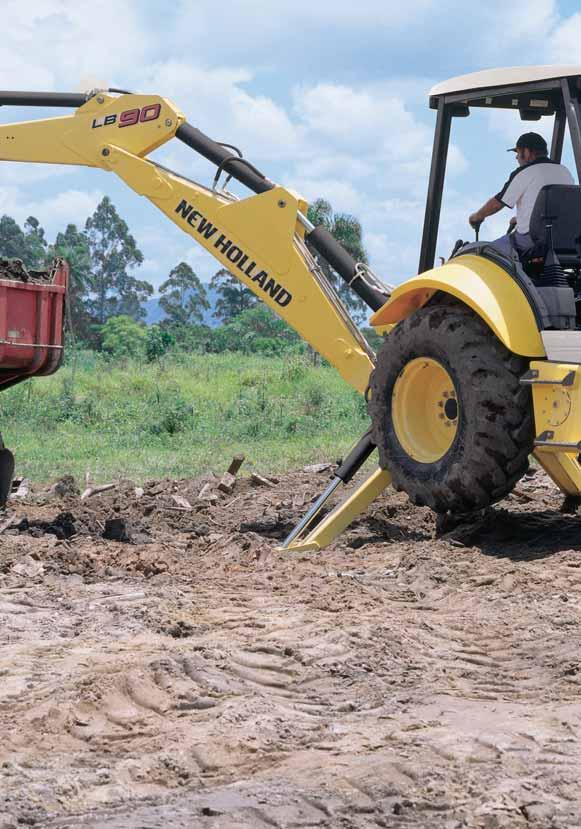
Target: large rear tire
(450, 419)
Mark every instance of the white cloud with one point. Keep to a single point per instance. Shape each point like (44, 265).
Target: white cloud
(362, 119)
(53, 43)
(224, 110)
(393, 261)
(563, 44)
(342, 195)
(70, 206)
(507, 123)
(520, 25)
(251, 24)
(22, 173)
(53, 212)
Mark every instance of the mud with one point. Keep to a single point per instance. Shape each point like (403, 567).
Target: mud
(190, 675)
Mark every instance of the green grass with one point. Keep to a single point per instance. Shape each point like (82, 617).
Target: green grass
(183, 418)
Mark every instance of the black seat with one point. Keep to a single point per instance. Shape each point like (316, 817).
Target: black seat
(558, 206)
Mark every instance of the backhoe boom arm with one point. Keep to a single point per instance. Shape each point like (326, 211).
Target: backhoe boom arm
(259, 239)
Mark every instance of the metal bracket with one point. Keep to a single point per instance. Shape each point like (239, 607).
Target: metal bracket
(546, 439)
(530, 379)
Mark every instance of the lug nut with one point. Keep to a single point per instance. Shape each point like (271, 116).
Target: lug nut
(106, 151)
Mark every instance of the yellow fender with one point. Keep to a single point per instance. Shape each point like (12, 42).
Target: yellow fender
(482, 285)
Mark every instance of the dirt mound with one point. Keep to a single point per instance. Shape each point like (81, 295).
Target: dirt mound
(163, 663)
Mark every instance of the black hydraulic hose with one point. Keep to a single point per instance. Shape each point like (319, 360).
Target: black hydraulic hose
(342, 261)
(218, 154)
(43, 99)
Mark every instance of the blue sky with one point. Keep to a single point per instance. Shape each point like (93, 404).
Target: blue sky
(328, 98)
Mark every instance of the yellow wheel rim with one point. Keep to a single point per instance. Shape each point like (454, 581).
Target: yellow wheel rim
(424, 410)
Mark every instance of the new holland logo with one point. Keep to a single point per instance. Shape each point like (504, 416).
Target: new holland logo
(233, 253)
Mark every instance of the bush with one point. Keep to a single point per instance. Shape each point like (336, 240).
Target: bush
(171, 413)
(123, 338)
(294, 368)
(158, 342)
(256, 330)
(314, 399)
(192, 338)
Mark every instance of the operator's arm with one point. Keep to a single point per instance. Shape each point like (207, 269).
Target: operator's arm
(489, 208)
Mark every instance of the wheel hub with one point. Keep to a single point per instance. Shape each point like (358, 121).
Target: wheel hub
(425, 410)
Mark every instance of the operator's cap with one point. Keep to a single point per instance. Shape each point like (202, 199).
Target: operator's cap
(530, 141)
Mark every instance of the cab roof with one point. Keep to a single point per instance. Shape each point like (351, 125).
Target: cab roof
(489, 79)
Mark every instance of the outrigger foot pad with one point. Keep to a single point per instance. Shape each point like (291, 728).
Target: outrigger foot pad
(306, 537)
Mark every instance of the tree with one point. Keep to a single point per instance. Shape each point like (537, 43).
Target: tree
(122, 337)
(113, 252)
(233, 296)
(158, 342)
(73, 246)
(347, 230)
(29, 244)
(12, 244)
(256, 329)
(183, 297)
(35, 244)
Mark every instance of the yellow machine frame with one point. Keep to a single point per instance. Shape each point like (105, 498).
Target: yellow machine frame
(261, 240)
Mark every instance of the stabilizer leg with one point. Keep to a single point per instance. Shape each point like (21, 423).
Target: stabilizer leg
(303, 539)
(334, 524)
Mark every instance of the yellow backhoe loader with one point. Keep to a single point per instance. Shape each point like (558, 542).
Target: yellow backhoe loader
(481, 363)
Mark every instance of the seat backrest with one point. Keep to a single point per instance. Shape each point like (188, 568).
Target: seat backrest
(560, 206)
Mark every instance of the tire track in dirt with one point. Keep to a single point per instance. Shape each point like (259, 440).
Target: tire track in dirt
(413, 682)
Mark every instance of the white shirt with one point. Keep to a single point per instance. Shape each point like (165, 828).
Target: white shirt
(524, 184)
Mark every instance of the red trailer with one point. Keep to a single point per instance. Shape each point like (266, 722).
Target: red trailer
(32, 305)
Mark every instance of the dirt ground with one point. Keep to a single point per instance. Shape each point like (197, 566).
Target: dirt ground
(192, 676)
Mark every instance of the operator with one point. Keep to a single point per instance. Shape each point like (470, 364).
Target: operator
(535, 170)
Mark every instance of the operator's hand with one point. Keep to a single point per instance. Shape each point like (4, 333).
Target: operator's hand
(475, 221)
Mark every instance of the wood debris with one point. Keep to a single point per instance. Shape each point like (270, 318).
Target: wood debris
(8, 522)
(227, 482)
(258, 480)
(28, 567)
(229, 478)
(207, 494)
(20, 488)
(95, 490)
(182, 502)
(318, 467)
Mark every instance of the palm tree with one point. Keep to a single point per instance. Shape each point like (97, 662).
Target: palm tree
(347, 231)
